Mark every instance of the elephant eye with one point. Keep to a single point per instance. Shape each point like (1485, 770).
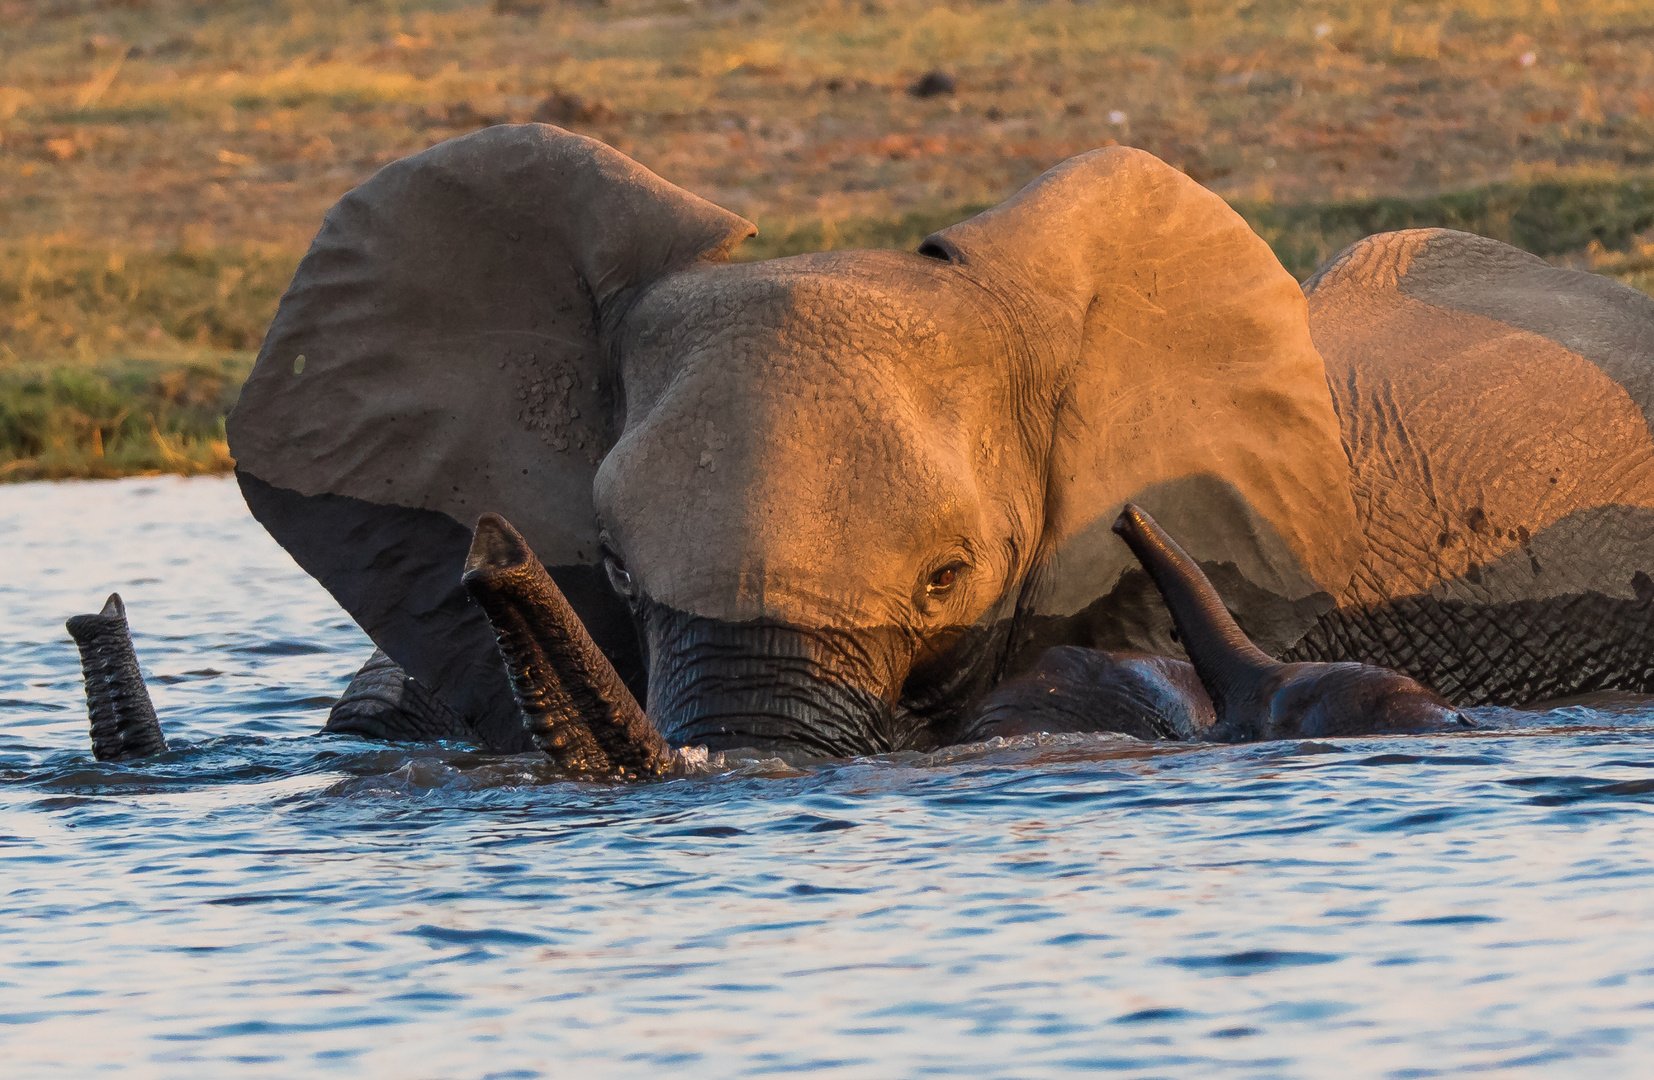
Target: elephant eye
(944, 578)
(620, 579)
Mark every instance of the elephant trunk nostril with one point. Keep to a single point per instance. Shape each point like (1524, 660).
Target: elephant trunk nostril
(574, 704)
(123, 719)
(495, 547)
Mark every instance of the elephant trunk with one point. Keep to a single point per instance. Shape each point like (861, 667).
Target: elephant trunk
(1227, 662)
(123, 718)
(574, 704)
(767, 684)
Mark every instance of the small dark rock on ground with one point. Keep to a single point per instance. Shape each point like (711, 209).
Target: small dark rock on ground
(932, 84)
(523, 9)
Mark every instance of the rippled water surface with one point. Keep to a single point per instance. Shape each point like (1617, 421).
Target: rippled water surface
(262, 901)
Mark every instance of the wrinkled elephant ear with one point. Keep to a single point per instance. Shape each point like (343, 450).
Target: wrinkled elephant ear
(1185, 382)
(441, 353)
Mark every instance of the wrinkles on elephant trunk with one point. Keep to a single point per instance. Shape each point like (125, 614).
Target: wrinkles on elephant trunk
(772, 685)
(575, 706)
(123, 720)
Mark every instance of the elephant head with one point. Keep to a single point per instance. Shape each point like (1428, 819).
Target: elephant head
(820, 501)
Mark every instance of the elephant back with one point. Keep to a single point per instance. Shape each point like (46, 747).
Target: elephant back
(1496, 412)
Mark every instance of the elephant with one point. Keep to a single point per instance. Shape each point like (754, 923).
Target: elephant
(123, 721)
(574, 705)
(1072, 689)
(1254, 697)
(837, 502)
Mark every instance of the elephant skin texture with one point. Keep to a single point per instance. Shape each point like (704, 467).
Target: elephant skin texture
(382, 702)
(1495, 413)
(833, 501)
(122, 717)
(1071, 689)
(574, 705)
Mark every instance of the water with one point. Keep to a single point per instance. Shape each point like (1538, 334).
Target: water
(265, 902)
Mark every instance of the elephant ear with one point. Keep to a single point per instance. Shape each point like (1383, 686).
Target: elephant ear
(1183, 379)
(441, 353)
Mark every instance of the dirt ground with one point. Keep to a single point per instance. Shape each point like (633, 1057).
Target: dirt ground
(167, 123)
(164, 163)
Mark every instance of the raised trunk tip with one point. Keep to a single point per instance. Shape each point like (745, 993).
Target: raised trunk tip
(575, 706)
(495, 545)
(1222, 654)
(123, 722)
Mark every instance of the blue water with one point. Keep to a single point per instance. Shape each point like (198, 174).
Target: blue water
(264, 902)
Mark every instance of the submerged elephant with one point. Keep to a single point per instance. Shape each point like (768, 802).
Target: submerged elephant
(1251, 695)
(832, 501)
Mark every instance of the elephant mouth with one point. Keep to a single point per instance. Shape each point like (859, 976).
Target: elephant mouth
(768, 684)
(723, 685)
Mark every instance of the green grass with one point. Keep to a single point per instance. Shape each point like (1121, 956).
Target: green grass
(1553, 217)
(123, 418)
(69, 301)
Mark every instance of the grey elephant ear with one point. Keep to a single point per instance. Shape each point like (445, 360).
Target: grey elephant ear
(441, 353)
(1184, 381)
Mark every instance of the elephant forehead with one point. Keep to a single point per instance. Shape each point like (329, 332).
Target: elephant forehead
(799, 325)
(797, 452)
(765, 360)
(764, 506)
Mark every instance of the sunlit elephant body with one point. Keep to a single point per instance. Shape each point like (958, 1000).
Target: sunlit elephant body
(832, 501)
(1495, 410)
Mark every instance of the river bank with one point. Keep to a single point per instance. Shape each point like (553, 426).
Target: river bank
(100, 410)
(166, 163)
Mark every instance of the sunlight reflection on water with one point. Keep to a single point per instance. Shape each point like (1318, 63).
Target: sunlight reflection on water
(260, 901)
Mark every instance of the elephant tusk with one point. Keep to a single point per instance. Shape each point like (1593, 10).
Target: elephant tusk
(123, 718)
(574, 704)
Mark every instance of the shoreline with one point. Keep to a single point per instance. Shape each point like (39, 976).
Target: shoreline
(111, 411)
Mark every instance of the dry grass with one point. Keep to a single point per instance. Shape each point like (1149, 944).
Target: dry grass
(182, 124)
(163, 163)
(90, 301)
